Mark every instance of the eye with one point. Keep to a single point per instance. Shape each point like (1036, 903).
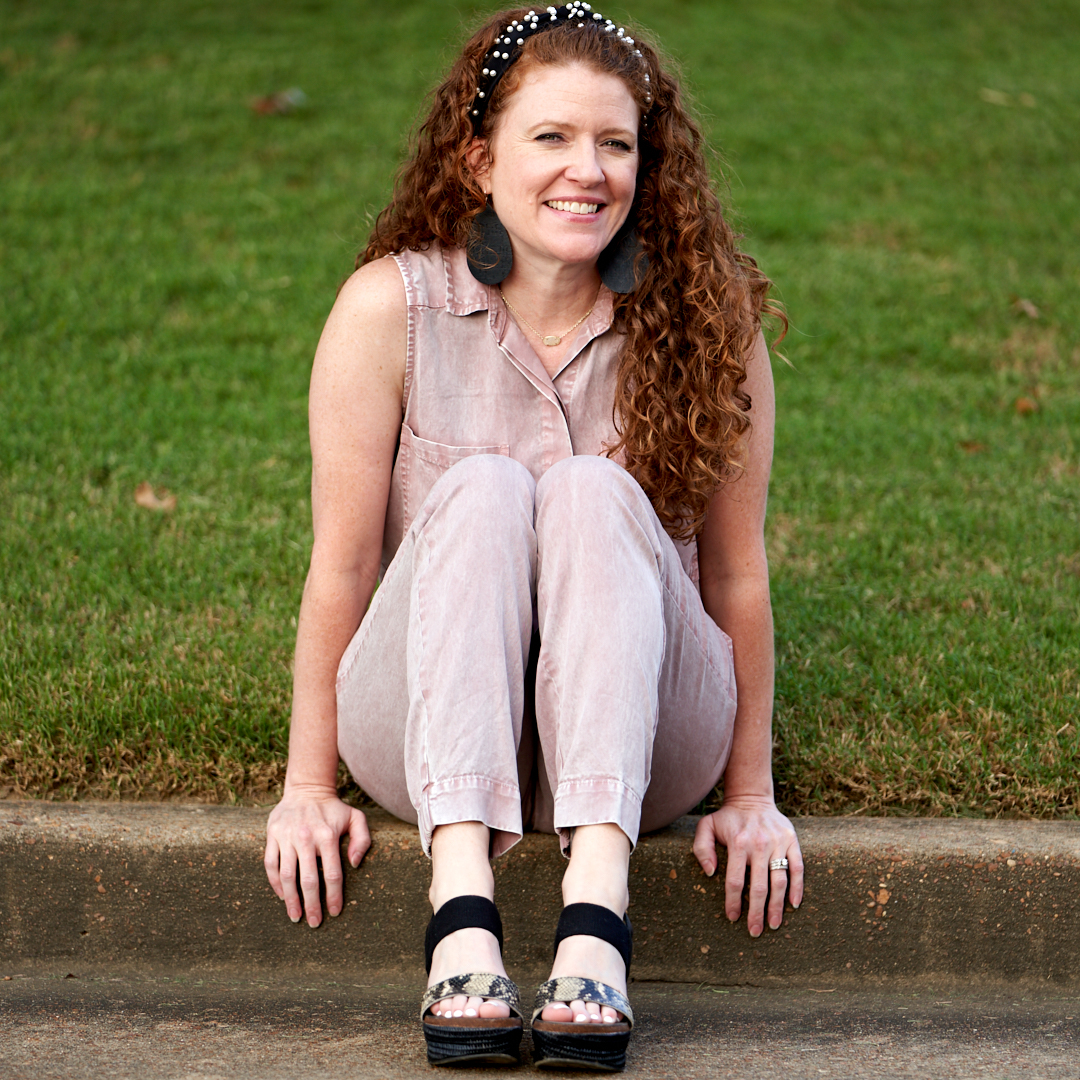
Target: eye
(620, 145)
(549, 136)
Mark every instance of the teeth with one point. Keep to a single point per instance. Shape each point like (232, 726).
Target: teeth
(574, 207)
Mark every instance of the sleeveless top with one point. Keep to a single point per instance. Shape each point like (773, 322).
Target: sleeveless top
(474, 385)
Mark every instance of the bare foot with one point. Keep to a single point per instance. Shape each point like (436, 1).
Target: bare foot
(596, 875)
(464, 950)
(467, 950)
(591, 958)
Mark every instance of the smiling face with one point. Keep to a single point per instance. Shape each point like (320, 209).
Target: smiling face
(563, 164)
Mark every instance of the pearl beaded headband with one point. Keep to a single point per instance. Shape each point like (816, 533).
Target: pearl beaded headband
(507, 48)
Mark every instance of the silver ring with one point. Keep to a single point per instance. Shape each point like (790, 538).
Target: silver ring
(778, 864)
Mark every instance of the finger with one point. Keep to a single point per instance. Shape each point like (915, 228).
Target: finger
(287, 865)
(795, 874)
(309, 885)
(271, 862)
(778, 885)
(332, 874)
(705, 845)
(734, 880)
(359, 838)
(759, 890)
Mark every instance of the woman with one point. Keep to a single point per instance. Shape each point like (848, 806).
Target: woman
(542, 407)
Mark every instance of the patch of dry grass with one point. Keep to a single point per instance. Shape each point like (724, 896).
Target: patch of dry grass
(61, 769)
(957, 761)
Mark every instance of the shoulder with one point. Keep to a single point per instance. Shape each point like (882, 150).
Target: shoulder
(365, 336)
(375, 291)
(432, 276)
(370, 316)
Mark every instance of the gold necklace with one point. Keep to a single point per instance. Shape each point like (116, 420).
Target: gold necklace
(551, 340)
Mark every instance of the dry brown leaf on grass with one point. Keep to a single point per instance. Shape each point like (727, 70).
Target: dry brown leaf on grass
(280, 104)
(149, 500)
(1025, 405)
(999, 97)
(1023, 306)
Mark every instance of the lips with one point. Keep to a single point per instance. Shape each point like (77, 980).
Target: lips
(574, 207)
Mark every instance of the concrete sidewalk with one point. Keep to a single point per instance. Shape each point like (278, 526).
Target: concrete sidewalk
(912, 901)
(283, 1026)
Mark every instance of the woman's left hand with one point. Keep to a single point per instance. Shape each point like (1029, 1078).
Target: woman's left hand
(754, 833)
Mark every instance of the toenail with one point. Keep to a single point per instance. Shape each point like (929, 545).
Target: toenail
(581, 1018)
(609, 1019)
(470, 1012)
(457, 1012)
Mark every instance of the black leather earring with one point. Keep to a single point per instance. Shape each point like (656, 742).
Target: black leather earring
(489, 253)
(617, 261)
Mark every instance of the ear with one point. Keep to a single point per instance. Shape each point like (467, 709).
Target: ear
(479, 161)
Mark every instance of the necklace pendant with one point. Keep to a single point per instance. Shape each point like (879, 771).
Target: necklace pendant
(552, 339)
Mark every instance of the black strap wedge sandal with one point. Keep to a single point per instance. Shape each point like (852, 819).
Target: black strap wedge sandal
(598, 1047)
(470, 1040)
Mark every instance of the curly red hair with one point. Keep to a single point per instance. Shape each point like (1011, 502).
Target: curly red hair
(693, 319)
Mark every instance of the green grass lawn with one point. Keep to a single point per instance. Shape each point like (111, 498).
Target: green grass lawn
(909, 175)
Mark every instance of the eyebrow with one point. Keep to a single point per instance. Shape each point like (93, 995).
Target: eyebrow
(540, 125)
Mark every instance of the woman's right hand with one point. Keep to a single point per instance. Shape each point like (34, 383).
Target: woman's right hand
(308, 824)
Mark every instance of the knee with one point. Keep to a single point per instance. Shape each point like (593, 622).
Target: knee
(588, 483)
(486, 488)
(594, 503)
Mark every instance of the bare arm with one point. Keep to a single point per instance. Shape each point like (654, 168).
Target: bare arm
(735, 591)
(735, 588)
(355, 418)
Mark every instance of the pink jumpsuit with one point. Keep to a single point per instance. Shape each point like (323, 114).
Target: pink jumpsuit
(537, 654)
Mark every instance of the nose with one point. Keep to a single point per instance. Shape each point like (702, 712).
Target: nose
(584, 166)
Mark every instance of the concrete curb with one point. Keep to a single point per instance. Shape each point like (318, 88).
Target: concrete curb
(86, 885)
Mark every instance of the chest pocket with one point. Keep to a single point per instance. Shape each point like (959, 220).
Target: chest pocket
(420, 463)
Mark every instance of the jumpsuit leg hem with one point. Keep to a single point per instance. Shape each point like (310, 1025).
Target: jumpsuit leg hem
(472, 798)
(596, 801)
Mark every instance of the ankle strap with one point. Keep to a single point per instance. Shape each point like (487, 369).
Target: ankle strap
(461, 913)
(598, 922)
